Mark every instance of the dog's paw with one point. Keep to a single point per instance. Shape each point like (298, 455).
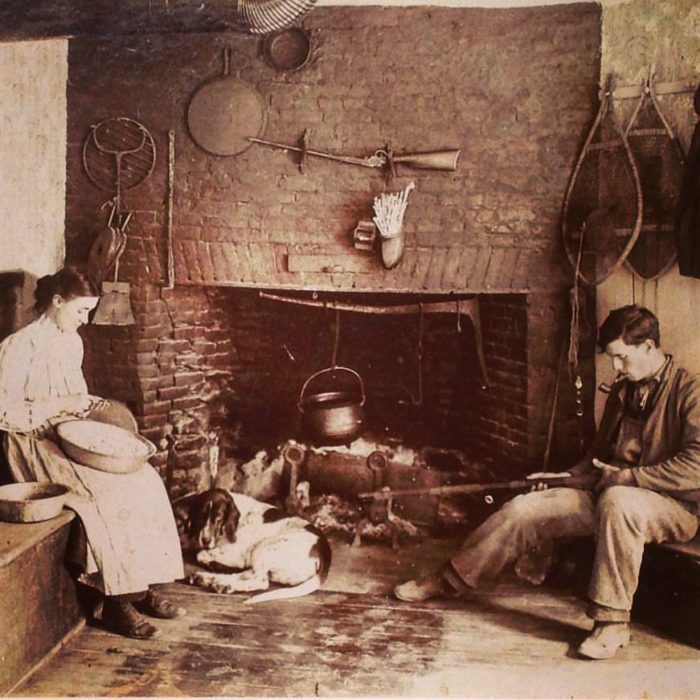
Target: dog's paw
(197, 579)
(209, 583)
(202, 580)
(204, 557)
(218, 587)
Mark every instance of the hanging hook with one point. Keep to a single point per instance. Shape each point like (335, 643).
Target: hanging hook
(650, 77)
(607, 87)
(334, 363)
(114, 207)
(419, 357)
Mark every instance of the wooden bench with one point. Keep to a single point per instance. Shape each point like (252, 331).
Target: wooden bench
(668, 597)
(39, 607)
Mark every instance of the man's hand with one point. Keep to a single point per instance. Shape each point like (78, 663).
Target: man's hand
(540, 486)
(612, 476)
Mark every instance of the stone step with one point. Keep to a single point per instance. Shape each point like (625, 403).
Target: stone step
(39, 607)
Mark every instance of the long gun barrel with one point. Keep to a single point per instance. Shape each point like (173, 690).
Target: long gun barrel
(374, 161)
(382, 158)
(585, 482)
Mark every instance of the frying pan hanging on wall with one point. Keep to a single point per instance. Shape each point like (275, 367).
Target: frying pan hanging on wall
(224, 112)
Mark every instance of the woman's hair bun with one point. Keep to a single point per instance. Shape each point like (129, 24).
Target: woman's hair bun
(67, 283)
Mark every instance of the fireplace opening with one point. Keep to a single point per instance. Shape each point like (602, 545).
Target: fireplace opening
(420, 373)
(216, 373)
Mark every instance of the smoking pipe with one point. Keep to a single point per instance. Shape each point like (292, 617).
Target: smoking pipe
(607, 388)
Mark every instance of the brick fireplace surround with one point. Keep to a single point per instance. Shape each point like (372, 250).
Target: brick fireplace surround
(514, 89)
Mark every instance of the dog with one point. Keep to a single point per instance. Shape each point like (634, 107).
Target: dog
(247, 545)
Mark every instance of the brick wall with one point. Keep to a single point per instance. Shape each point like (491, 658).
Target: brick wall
(500, 414)
(515, 89)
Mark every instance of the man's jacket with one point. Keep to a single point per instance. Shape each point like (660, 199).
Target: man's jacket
(670, 459)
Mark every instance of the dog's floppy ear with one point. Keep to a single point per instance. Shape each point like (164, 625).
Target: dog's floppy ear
(233, 516)
(186, 510)
(181, 511)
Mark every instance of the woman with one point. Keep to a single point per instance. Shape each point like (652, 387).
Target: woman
(131, 537)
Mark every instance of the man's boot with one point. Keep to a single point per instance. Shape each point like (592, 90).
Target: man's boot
(605, 640)
(424, 588)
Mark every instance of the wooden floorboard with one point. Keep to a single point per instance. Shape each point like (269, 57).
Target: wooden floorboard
(353, 639)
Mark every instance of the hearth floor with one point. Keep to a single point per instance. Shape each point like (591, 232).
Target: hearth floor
(353, 638)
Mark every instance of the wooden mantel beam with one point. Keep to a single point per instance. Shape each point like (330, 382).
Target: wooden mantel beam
(43, 19)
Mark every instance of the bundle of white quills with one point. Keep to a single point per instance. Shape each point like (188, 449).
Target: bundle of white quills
(389, 209)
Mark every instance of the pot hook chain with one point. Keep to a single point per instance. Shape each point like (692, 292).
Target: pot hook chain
(336, 342)
(419, 360)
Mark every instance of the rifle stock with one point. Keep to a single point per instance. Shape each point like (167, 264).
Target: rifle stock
(584, 482)
(431, 160)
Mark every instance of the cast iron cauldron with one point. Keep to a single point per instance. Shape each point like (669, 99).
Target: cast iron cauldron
(332, 417)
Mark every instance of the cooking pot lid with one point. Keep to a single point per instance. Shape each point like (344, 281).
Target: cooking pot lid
(223, 114)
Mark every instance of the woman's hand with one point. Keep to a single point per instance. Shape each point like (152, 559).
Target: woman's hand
(98, 403)
(78, 405)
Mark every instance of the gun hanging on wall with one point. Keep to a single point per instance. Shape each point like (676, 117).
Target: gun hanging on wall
(383, 158)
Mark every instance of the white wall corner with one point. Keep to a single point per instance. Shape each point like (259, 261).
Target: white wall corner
(33, 155)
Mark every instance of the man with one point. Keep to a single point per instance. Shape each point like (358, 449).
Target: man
(647, 452)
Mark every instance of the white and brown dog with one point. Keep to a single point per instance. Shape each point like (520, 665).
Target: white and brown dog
(248, 545)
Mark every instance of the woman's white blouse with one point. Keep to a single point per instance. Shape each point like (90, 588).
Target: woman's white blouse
(38, 364)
